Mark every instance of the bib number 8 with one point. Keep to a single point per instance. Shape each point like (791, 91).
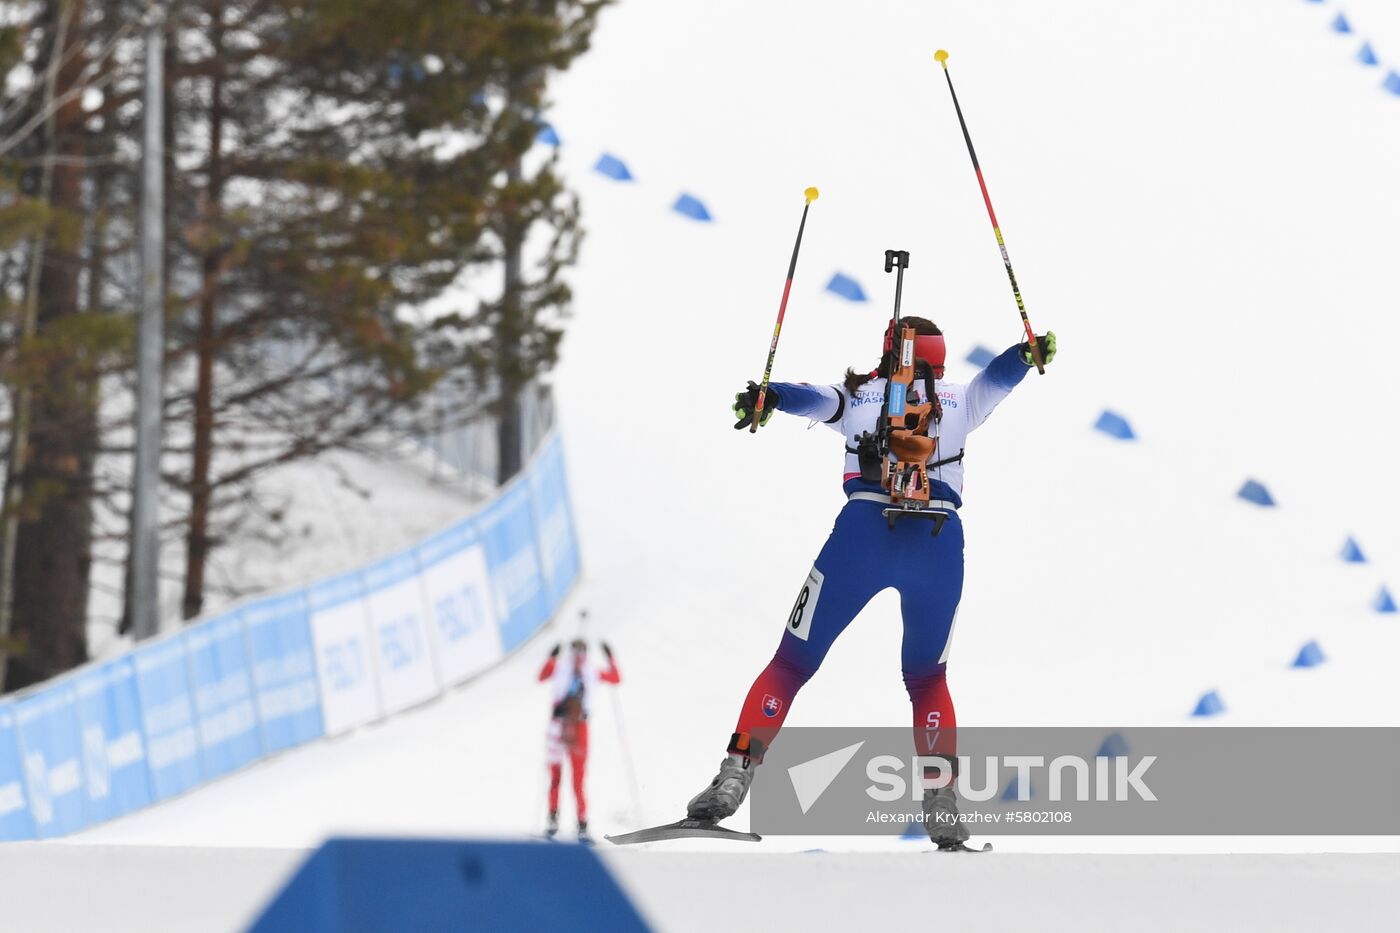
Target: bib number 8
(799, 621)
(795, 620)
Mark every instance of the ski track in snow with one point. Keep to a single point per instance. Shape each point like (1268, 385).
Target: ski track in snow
(1197, 197)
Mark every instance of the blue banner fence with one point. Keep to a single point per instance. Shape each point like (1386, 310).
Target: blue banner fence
(172, 714)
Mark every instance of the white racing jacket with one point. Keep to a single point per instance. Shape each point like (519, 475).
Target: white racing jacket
(965, 407)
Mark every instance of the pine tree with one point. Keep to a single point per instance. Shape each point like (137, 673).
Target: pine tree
(331, 166)
(348, 157)
(61, 345)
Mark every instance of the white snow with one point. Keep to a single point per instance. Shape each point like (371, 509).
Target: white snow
(334, 513)
(172, 889)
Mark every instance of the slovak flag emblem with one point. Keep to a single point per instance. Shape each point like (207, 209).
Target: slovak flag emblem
(771, 705)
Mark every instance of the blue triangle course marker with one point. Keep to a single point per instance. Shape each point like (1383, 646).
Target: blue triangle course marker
(1392, 82)
(1112, 746)
(1367, 55)
(1351, 552)
(1115, 425)
(914, 832)
(980, 356)
(1340, 24)
(1385, 602)
(1255, 491)
(1209, 704)
(691, 207)
(547, 135)
(1310, 655)
(845, 286)
(431, 884)
(613, 167)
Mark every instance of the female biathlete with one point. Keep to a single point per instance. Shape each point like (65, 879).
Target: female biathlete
(864, 556)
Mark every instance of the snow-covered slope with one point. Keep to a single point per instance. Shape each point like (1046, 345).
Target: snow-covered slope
(1199, 199)
(317, 518)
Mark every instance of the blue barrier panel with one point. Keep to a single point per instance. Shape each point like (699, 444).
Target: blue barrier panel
(980, 356)
(522, 597)
(344, 663)
(1255, 491)
(554, 524)
(691, 207)
(1340, 24)
(167, 713)
(1115, 425)
(440, 885)
(47, 726)
(277, 632)
(461, 604)
(399, 631)
(1310, 655)
(613, 167)
(547, 135)
(1351, 552)
(222, 685)
(15, 821)
(1209, 704)
(114, 749)
(1367, 55)
(845, 286)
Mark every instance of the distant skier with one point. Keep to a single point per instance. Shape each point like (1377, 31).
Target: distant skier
(864, 556)
(573, 683)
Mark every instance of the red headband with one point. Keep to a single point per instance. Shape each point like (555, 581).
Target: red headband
(929, 347)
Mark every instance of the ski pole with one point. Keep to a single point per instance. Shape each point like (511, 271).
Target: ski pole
(626, 755)
(811, 195)
(942, 58)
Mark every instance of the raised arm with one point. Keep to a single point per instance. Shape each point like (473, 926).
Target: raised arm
(547, 671)
(826, 404)
(1002, 374)
(610, 674)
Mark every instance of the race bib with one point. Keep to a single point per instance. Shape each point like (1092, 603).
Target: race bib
(800, 619)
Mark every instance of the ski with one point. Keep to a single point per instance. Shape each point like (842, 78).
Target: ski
(682, 829)
(963, 847)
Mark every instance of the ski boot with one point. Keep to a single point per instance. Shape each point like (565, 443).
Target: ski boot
(583, 837)
(552, 827)
(724, 794)
(945, 830)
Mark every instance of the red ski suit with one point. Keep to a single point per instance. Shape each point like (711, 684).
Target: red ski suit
(573, 681)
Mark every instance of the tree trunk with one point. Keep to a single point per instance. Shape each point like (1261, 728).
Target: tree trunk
(52, 554)
(206, 342)
(509, 442)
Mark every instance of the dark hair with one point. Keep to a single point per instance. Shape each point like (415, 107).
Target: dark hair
(922, 326)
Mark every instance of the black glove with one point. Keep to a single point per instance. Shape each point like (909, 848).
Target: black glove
(607, 650)
(745, 402)
(554, 652)
(1047, 349)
